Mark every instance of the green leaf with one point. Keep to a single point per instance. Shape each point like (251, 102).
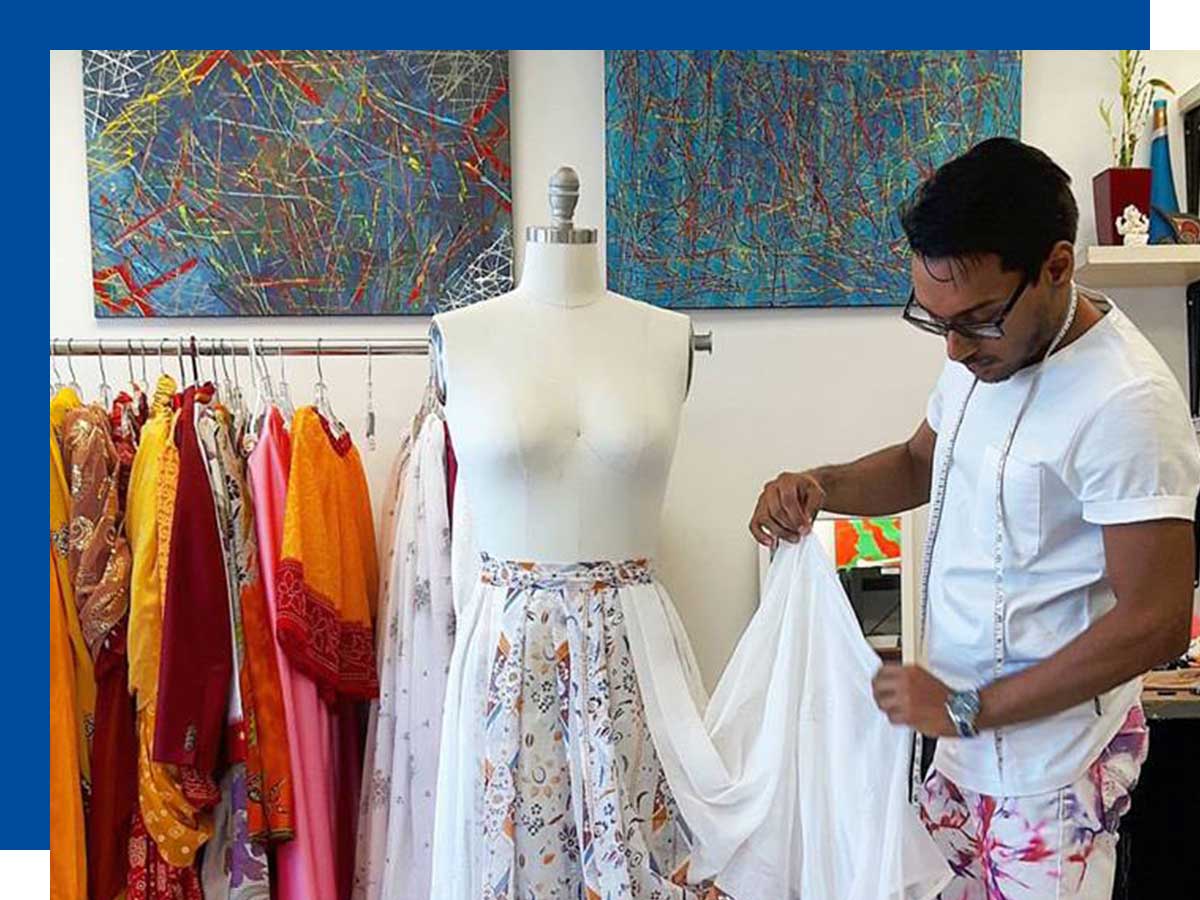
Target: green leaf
(1159, 83)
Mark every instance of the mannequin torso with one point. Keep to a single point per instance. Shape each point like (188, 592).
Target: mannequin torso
(563, 401)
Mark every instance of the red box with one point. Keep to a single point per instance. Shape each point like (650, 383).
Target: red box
(1112, 191)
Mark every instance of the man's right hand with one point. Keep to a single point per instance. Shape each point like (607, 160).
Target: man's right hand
(786, 508)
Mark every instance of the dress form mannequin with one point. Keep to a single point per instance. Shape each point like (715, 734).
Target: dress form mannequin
(580, 756)
(563, 399)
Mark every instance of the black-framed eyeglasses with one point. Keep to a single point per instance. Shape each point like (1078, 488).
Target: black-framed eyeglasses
(917, 315)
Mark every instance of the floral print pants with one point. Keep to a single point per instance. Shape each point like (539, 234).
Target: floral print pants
(1042, 847)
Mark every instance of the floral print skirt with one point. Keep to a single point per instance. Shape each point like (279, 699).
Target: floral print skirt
(549, 784)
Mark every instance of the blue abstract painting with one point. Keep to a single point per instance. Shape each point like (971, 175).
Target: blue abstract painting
(773, 178)
(297, 182)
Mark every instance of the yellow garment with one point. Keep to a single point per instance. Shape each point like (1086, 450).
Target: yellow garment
(68, 851)
(327, 577)
(60, 512)
(141, 528)
(171, 821)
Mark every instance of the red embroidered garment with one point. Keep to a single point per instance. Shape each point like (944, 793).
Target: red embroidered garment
(151, 877)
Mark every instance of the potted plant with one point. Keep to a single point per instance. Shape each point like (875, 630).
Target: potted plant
(1124, 184)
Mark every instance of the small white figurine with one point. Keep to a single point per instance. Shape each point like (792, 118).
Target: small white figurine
(1133, 227)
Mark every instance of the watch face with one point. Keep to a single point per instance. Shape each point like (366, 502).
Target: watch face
(963, 708)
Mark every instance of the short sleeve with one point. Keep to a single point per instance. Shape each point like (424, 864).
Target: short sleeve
(937, 400)
(1136, 458)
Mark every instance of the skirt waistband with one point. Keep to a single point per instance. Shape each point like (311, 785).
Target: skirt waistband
(598, 574)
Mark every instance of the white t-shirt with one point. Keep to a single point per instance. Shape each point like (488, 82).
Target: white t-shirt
(1106, 439)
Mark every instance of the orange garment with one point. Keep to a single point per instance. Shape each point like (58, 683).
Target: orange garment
(166, 795)
(68, 851)
(327, 574)
(85, 678)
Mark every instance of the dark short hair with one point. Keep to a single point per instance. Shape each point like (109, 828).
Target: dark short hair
(1002, 197)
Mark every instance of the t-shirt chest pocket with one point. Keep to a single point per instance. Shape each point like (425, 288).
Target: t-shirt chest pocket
(1022, 505)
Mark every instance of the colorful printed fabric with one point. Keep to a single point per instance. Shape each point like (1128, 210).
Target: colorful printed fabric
(1056, 845)
(98, 555)
(151, 877)
(327, 578)
(568, 799)
(99, 559)
(235, 866)
(261, 733)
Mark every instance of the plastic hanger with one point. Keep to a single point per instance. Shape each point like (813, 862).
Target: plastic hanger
(195, 367)
(57, 384)
(239, 398)
(179, 358)
(321, 393)
(370, 400)
(105, 387)
(74, 383)
(284, 390)
(218, 395)
(264, 394)
(129, 363)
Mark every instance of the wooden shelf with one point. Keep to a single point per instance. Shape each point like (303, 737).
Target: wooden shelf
(1159, 265)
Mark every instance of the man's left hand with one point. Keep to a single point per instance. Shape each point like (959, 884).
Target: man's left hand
(912, 696)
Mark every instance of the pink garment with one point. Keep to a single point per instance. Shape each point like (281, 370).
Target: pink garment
(307, 865)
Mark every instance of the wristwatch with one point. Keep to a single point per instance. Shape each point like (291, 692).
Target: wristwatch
(963, 709)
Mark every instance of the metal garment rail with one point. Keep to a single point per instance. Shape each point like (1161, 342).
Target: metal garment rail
(240, 346)
(217, 346)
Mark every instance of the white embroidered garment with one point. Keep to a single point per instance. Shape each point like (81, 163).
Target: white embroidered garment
(792, 781)
(416, 632)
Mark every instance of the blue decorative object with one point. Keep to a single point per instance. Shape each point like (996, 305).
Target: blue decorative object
(1163, 198)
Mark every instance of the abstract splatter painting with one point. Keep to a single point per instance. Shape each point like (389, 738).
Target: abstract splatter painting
(297, 182)
(773, 178)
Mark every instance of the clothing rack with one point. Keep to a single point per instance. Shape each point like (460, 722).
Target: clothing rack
(193, 345)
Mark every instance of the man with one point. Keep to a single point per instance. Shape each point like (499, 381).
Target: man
(1062, 469)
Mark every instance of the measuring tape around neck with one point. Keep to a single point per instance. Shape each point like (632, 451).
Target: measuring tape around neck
(937, 501)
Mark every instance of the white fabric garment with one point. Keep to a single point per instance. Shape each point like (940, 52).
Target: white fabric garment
(1106, 438)
(791, 781)
(415, 635)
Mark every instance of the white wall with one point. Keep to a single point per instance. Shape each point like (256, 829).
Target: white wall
(761, 403)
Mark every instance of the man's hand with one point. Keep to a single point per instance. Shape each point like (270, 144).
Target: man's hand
(911, 696)
(786, 508)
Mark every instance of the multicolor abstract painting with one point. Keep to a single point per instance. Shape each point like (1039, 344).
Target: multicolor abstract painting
(773, 178)
(297, 182)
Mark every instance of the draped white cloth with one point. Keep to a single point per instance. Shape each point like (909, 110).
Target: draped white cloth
(415, 635)
(792, 781)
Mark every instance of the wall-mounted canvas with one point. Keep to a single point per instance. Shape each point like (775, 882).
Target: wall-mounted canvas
(772, 178)
(297, 182)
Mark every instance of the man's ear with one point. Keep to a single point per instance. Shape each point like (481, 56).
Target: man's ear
(1060, 264)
